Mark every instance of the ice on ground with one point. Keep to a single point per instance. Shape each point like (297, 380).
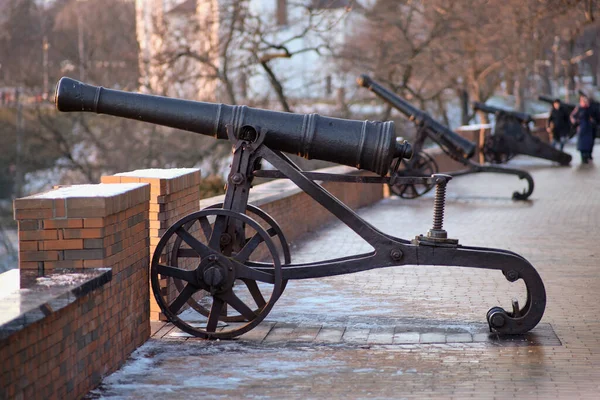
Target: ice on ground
(172, 369)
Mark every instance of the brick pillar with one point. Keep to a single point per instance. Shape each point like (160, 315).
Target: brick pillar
(174, 193)
(539, 127)
(82, 226)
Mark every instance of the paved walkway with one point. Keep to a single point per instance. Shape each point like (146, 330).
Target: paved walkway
(413, 332)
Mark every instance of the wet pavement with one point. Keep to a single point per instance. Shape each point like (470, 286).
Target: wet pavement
(413, 332)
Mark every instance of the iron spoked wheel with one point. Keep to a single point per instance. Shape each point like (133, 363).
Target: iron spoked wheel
(421, 164)
(272, 228)
(208, 269)
(491, 154)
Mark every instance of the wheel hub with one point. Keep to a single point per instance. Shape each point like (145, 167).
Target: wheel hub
(213, 276)
(216, 274)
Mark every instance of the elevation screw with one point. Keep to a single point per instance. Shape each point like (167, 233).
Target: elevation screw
(439, 204)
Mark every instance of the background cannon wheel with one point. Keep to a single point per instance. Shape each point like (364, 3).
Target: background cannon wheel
(421, 164)
(226, 275)
(272, 228)
(492, 153)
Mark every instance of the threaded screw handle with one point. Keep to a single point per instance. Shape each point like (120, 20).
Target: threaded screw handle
(439, 205)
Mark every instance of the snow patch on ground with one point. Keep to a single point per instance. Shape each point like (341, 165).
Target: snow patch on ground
(175, 369)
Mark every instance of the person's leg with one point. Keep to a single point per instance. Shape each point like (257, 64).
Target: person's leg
(584, 157)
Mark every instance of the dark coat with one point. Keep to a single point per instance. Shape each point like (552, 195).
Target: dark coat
(559, 123)
(585, 140)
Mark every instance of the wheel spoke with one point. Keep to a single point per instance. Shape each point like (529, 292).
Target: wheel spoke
(414, 189)
(184, 275)
(193, 242)
(183, 297)
(187, 253)
(215, 312)
(255, 292)
(235, 302)
(404, 187)
(248, 248)
(244, 272)
(206, 229)
(218, 229)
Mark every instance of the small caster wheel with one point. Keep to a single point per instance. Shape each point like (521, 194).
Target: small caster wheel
(496, 318)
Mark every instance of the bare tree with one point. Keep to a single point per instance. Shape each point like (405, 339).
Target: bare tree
(234, 43)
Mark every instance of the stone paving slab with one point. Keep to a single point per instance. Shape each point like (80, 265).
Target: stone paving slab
(291, 334)
(556, 231)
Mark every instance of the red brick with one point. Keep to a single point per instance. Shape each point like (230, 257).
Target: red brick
(29, 246)
(63, 264)
(63, 223)
(36, 265)
(112, 179)
(60, 208)
(94, 222)
(38, 235)
(40, 213)
(49, 255)
(92, 233)
(86, 212)
(65, 244)
(32, 203)
(29, 224)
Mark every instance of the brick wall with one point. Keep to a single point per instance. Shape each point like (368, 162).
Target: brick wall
(67, 353)
(296, 212)
(174, 193)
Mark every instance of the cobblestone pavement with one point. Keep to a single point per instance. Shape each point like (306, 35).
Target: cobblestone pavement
(413, 332)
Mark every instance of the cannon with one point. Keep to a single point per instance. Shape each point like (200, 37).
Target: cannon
(229, 263)
(512, 136)
(453, 145)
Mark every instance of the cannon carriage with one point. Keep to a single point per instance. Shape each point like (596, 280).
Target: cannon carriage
(230, 262)
(512, 136)
(453, 145)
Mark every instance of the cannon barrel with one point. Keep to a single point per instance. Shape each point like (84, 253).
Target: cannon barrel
(546, 99)
(523, 117)
(362, 144)
(420, 118)
(569, 107)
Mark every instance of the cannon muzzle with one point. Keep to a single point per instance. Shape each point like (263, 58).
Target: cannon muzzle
(522, 117)
(444, 135)
(362, 144)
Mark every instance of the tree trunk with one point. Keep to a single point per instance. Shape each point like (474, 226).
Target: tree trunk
(570, 67)
(520, 93)
(510, 84)
(463, 96)
(546, 82)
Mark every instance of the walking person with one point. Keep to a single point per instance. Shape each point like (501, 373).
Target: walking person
(582, 114)
(558, 125)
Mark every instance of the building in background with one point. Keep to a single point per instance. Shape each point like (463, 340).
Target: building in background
(214, 50)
